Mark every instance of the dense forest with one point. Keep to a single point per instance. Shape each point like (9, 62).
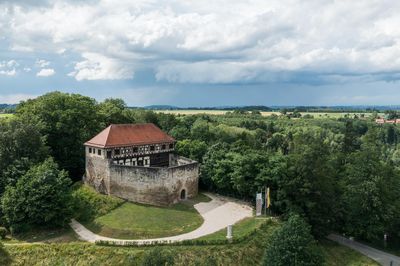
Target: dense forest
(340, 175)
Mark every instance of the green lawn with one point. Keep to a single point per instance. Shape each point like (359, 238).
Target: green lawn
(137, 221)
(240, 229)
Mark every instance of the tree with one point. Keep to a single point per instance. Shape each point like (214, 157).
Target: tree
(40, 198)
(193, 149)
(68, 120)
(307, 185)
(21, 146)
(111, 111)
(293, 244)
(370, 192)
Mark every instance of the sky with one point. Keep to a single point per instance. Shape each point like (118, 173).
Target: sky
(203, 53)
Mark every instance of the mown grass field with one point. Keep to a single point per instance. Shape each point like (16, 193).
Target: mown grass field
(136, 221)
(222, 112)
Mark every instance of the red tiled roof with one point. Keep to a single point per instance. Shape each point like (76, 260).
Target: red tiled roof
(119, 135)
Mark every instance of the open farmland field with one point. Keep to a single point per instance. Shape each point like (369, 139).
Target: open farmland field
(6, 115)
(193, 112)
(222, 112)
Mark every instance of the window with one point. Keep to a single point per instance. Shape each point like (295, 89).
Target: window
(171, 145)
(116, 152)
(152, 148)
(108, 154)
(163, 147)
(90, 150)
(135, 149)
(94, 151)
(99, 152)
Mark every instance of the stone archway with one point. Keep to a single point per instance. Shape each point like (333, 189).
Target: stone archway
(183, 194)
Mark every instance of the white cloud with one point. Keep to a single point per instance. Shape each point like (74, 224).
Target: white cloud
(45, 72)
(8, 68)
(99, 67)
(42, 63)
(216, 41)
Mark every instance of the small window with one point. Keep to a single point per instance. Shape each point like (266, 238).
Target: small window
(171, 145)
(116, 152)
(152, 148)
(135, 149)
(94, 151)
(163, 147)
(90, 150)
(108, 154)
(99, 152)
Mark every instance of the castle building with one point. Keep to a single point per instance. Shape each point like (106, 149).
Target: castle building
(137, 162)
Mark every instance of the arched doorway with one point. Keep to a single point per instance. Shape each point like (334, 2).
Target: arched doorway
(183, 194)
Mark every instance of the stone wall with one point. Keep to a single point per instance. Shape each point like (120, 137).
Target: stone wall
(150, 185)
(98, 173)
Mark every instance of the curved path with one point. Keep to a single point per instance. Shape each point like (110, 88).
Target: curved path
(217, 214)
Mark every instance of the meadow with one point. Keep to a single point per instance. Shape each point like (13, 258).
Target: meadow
(6, 115)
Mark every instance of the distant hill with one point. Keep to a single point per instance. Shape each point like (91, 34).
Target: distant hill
(4, 106)
(245, 108)
(7, 108)
(161, 107)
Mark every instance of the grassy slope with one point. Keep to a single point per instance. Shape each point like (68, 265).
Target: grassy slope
(340, 255)
(249, 252)
(241, 229)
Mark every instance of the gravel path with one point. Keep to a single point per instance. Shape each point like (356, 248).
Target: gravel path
(217, 214)
(381, 257)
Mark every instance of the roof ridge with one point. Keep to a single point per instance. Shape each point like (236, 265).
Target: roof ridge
(108, 133)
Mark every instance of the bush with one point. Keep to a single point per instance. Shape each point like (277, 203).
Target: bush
(158, 257)
(88, 203)
(293, 244)
(3, 233)
(41, 198)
